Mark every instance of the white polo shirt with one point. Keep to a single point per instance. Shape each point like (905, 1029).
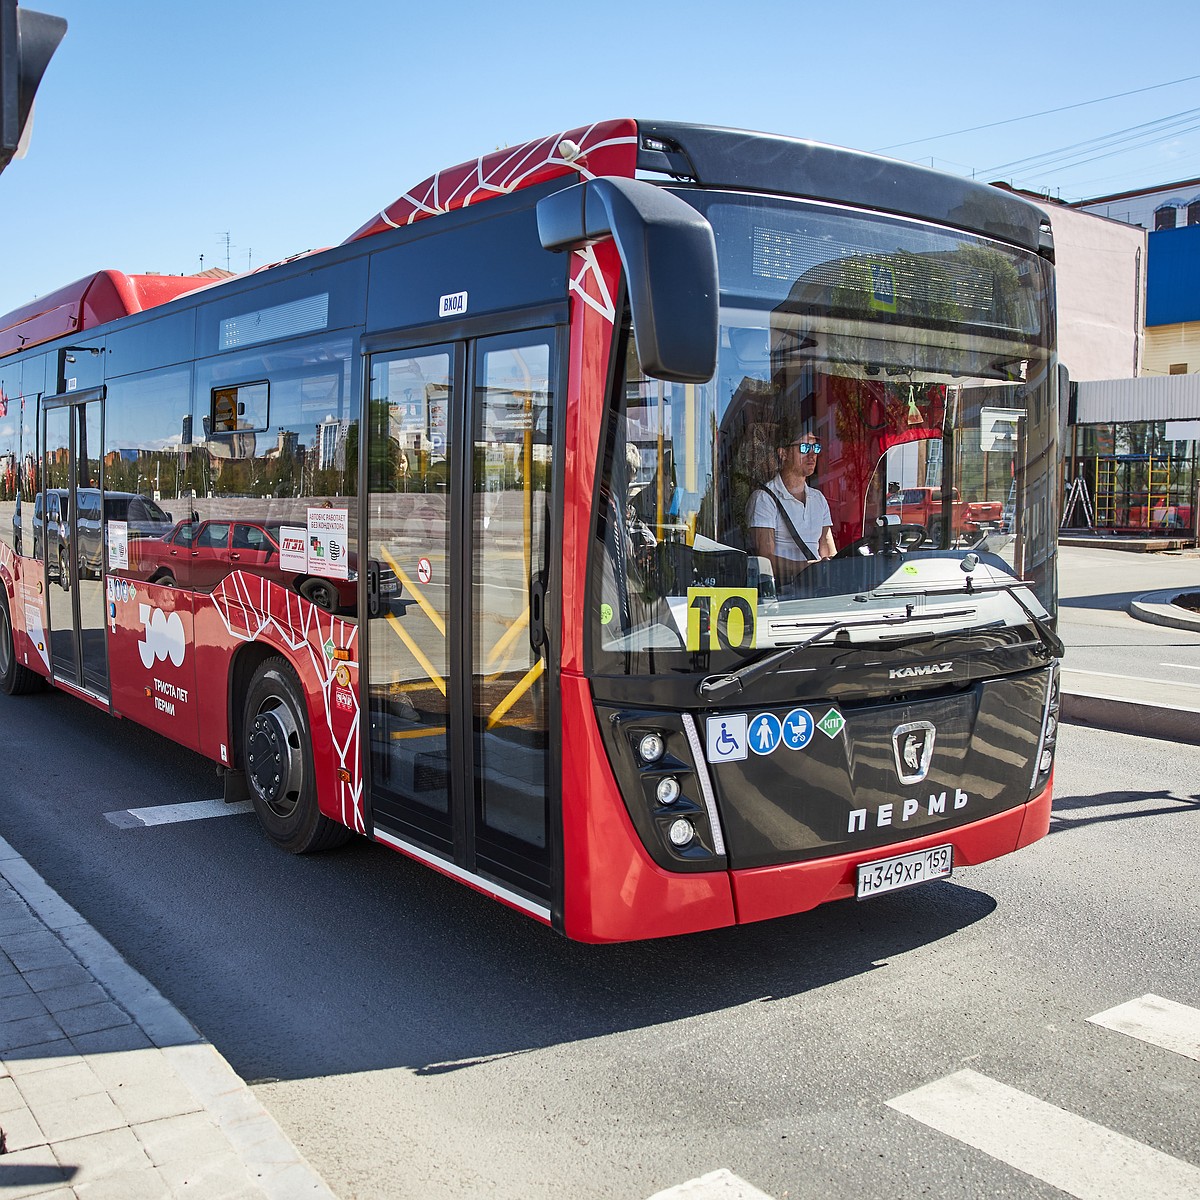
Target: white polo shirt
(810, 519)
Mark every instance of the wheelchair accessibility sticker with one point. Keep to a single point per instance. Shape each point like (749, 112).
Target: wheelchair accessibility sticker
(726, 737)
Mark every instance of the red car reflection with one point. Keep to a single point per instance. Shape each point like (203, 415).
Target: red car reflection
(200, 554)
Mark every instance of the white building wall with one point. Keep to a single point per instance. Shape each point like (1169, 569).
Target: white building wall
(1101, 270)
(1139, 208)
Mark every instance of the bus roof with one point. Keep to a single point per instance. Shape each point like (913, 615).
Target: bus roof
(88, 302)
(605, 148)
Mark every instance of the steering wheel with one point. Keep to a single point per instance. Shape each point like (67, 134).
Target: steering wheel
(887, 539)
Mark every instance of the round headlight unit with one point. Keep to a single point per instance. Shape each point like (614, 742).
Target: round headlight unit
(667, 790)
(680, 833)
(651, 748)
(1047, 759)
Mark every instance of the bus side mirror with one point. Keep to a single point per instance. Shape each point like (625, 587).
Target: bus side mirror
(669, 256)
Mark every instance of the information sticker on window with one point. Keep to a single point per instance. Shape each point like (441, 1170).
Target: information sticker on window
(118, 545)
(722, 618)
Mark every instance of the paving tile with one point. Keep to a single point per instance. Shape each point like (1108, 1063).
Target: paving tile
(92, 1019)
(35, 951)
(67, 975)
(14, 923)
(31, 1172)
(77, 995)
(43, 1056)
(102, 1154)
(211, 1180)
(21, 1132)
(155, 1102)
(183, 1140)
(10, 1097)
(14, 1035)
(77, 1117)
(64, 1082)
(111, 1041)
(17, 1008)
(144, 1184)
(13, 985)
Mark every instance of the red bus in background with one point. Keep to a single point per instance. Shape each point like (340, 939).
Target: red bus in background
(451, 543)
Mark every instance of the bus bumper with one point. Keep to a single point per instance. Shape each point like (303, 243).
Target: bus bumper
(760, 893)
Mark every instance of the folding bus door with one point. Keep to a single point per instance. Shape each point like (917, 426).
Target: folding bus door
(73, 498)
(459, 455)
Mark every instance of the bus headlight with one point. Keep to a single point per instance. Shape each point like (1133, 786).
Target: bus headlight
(651, 747)
(667, 790)
(680, 832)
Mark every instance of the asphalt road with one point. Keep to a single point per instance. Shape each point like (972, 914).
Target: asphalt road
(415, 1040)
(1095, 588)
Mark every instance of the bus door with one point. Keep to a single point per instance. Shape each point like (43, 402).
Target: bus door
(459, 471)
(72, 462)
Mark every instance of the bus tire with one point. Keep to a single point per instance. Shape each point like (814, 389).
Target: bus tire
(16, 679)
(278, 763)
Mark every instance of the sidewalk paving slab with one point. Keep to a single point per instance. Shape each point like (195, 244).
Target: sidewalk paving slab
(106, 1089)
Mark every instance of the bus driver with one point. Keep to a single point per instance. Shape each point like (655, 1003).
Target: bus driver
(789, 521)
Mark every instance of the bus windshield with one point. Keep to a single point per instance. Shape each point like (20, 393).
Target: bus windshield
(897, 379)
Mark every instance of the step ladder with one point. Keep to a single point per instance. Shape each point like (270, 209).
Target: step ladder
(1008, 518)
(1077, 497)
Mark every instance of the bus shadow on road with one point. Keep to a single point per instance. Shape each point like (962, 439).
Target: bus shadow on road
(433, 979)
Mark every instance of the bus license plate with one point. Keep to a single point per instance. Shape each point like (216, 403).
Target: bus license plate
(904, 870)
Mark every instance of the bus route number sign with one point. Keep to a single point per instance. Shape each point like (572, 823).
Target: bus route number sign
(722, 618)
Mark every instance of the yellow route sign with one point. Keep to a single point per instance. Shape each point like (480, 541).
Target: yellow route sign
(722, 618)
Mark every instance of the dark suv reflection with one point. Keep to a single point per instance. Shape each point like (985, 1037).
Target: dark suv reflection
(142, 516)
(51, 517)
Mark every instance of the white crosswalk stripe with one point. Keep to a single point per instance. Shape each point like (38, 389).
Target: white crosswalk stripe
(716, 1185)
(1157, 1021)
(171, 814)
(1058, 1147)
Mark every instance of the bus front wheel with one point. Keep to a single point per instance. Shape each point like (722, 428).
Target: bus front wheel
(277, 759)
(16, 679)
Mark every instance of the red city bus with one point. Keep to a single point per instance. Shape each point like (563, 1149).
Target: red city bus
(459, 537)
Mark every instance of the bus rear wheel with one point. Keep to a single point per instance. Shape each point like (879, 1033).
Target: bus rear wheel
(16, 679)
(277, 758)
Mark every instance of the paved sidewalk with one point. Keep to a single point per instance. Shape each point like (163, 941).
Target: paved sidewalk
(107, 1092)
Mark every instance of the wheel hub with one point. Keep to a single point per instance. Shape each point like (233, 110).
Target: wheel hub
(274, 764)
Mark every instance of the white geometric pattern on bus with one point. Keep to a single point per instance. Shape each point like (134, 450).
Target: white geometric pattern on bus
(249, 605)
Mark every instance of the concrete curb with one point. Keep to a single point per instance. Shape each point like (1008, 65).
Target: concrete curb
(1160, 721)
(277, 1168)
(1159, 608)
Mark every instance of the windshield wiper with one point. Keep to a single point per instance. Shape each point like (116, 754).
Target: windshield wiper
(1046, 635)
(714, 686)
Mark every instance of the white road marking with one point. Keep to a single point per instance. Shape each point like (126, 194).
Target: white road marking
(172, 814)
(1157, 1021)
(716, 1185)
(1181, 666)
(1066, 1151)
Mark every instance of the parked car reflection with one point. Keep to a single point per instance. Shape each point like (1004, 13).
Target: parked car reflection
(200, 554)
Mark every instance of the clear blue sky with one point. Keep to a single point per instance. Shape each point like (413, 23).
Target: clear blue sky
(163, 124)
